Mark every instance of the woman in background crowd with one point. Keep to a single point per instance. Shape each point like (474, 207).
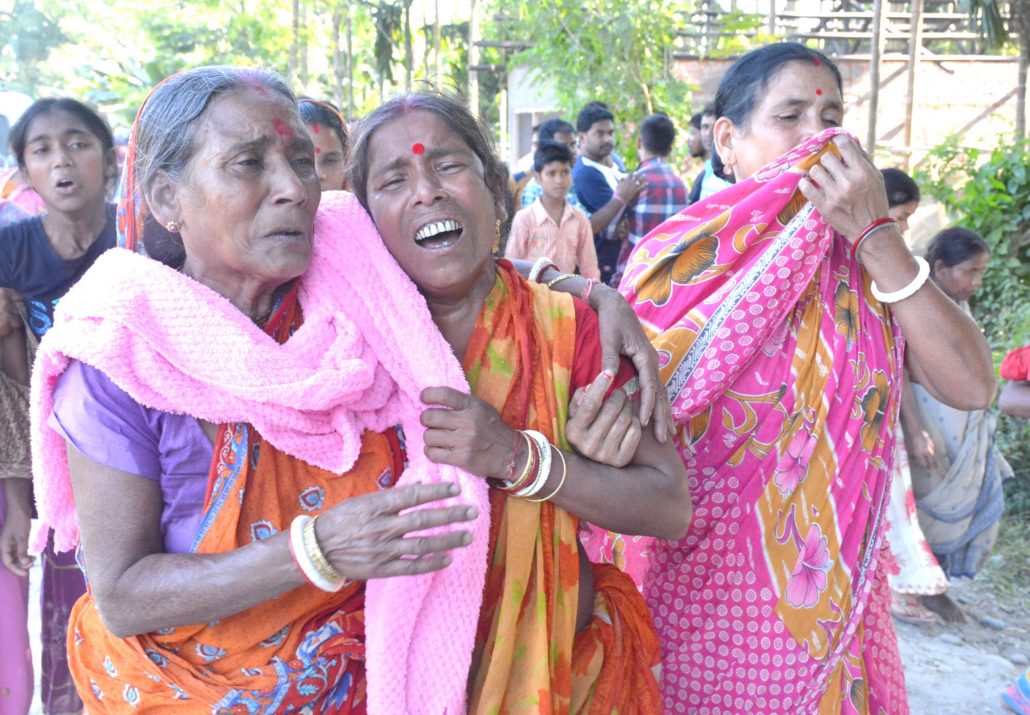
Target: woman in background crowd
(914, 571)
(329, 135)
(65, 153)
(958, 471)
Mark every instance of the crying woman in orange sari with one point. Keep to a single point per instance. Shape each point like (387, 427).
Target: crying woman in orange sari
(556, 633)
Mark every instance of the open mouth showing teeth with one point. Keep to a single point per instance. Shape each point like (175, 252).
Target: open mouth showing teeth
(439, 234)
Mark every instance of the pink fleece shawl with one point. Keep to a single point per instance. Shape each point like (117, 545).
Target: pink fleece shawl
(366, 350)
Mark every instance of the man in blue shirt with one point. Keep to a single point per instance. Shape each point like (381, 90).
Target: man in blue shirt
(602, 188)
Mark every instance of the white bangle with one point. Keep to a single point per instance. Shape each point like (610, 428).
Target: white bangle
(543, 467)
(898, 295)
(304, 560)
(541, 265)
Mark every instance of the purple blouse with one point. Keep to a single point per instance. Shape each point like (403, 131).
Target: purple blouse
(100, 420)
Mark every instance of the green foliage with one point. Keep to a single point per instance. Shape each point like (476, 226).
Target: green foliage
(112, 53)
(616, 51)
(990, 193)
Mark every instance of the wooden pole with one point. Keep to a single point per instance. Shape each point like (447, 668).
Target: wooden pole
(436, 41)
(876, 51)
(915, 46)
(473, 75)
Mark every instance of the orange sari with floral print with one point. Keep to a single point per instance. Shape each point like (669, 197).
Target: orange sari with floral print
(302, 650)
(529, 657)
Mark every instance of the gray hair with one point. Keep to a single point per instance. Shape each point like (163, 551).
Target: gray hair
(166, 129)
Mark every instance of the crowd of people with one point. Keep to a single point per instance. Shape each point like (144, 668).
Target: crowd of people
(311, 431)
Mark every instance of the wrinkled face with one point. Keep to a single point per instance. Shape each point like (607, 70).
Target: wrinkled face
(599, 142)
(248, 197)
(707, 123)
(328, 156)
(961, 281)
(800, 100)
(902, 213)
(432, 207)
(555, 179)
(65, 163)
(568, 139)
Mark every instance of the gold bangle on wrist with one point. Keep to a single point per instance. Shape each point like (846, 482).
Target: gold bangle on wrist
(555, 281)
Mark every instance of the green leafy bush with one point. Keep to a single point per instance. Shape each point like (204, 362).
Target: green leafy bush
(989, 192)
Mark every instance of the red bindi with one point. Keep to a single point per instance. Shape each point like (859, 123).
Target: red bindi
(816, 61)
(283, 129)
(418, 148)
(317, 150)
(314, 128)
(818, 92)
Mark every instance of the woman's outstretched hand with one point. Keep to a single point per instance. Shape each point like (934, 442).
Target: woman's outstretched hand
(370, 536)
(621, 334)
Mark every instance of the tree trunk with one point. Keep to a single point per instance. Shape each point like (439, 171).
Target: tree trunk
(915, 47)
(350, 64)
(337, 20)
(473, 90)
(408, 59)
(1024, 64)
(295, 39)
(436, 40)
(303, 43)
(876, 51)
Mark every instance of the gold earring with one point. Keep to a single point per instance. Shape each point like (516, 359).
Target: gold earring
(173, 226)
(497, 236)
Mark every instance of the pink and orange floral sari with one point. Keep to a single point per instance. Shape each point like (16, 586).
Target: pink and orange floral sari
(784, 378)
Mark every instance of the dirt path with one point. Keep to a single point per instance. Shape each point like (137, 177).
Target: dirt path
(961, 669)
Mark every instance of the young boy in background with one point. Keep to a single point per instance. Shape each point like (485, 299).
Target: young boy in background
(550, 226)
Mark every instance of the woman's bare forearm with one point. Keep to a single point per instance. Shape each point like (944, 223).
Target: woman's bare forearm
(946, 352)
(136, 586)
(1015, 399)
(651, 496)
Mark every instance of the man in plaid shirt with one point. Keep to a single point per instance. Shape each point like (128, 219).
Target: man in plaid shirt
(664, 193)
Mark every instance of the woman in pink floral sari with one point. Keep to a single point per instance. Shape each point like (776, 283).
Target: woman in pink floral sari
(783, 371)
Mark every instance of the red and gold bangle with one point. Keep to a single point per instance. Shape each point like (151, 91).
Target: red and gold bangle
(868, 231)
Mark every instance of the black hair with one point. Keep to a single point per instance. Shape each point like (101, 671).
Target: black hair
(657, 133)
(451, 110)
(953, 246)
(314, 111)
(552, 126)
(695, 121)
(742, 87)
(708, 111)
(167, 127)
(901, 189)
(591, 114)
(550, 151)
(93, 121)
